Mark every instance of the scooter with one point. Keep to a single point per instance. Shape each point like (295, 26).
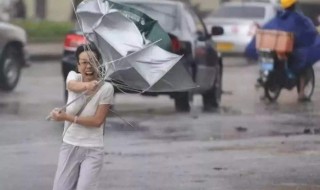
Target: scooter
(276, 75)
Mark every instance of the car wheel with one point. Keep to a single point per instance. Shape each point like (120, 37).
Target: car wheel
(212, 98)
(10, 68)
(181, 101)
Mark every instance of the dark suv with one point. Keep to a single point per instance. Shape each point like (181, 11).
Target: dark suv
(189, 37)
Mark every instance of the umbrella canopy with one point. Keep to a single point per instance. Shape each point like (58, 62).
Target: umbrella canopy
(147, 26)
(133, 47)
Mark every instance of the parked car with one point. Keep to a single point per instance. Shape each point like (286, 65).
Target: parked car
(189, 37)
(239, 21)
(13, 55)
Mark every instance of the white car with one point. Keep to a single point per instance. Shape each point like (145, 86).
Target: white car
(13, 55)
(239, 21)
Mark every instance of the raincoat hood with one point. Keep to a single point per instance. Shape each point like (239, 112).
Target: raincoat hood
(284, 14)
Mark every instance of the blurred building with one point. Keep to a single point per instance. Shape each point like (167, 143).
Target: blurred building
(54, 10)
(12, 9)
(206, 5)
(62, 10)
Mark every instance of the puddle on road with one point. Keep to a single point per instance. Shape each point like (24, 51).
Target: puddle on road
(170, 111)
(289, 108)
(10, 108)
(307, 122)
(228, 111)
(306, 131)
(136, 111)
(303, 122)
(125, 126)
(22, 152)
(293, 187)
(190, 132)
(141, 155)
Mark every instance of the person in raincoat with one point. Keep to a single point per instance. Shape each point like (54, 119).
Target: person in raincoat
(306, 39)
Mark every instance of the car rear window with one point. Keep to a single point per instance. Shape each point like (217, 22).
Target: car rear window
(255, 12)
(166, 15)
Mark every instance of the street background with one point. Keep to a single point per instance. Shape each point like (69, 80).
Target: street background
(247, 144)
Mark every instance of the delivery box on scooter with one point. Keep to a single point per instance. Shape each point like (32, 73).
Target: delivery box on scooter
(274, 40)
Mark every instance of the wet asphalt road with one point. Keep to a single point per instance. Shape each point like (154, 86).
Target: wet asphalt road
(248, 144)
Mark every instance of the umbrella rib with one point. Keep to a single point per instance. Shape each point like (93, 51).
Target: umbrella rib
(134, 52)
(120, 84)
(126, 87)
(120, 87)
(117, 114)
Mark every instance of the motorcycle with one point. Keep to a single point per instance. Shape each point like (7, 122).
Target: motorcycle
(276, 75)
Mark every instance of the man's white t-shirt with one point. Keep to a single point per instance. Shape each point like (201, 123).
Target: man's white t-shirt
(79, 135)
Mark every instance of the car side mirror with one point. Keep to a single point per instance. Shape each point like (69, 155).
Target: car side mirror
(216, 31)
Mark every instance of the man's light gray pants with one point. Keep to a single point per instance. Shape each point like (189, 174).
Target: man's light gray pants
(78, 168)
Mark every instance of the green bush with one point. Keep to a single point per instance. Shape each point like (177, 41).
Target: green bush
(45, 31)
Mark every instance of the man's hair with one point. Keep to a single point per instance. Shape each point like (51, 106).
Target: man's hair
(88, 47)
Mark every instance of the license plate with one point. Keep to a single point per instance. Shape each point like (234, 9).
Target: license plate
(223, 47)
(267, 66)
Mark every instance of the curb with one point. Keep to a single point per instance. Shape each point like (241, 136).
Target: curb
(45, 57)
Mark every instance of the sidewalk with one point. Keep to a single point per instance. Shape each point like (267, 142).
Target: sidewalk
(45, 51)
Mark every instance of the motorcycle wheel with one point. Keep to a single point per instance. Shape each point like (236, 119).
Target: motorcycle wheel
(272, 89)
(310, 83)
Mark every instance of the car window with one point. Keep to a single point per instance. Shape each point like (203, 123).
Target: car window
(199, 25)
(166, 15)
(194, 22)
(240, 11)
